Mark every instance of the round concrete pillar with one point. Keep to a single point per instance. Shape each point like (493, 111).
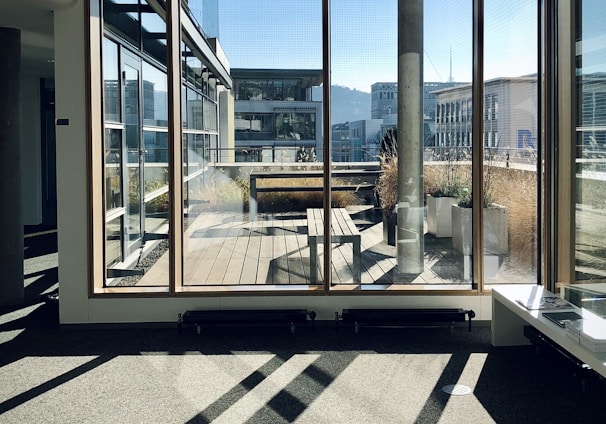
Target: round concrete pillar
(410, 207)
(11, 220)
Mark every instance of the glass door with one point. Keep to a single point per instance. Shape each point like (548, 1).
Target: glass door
(134, 154)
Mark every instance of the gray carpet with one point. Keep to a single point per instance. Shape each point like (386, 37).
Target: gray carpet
(268, 375)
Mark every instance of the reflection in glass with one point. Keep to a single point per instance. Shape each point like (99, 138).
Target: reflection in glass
(122, 17)
(113, 169)
(153, 32)
(134, 157)
(156, 160)
(155, 100)
(590, 219)
(111, 83)
(194, 109)
(136, 150)
(113, 242)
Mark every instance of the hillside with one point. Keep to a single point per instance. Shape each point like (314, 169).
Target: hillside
(347, 104)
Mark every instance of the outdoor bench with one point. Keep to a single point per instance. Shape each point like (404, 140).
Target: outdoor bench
(343, 230)
(254, 189)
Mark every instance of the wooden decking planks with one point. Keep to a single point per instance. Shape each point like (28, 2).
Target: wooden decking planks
(224, 248)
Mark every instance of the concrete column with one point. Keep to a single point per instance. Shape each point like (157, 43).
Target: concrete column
(11, 220)
(410, 209)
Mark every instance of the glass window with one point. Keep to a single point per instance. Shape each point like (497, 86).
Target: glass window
(590, 202)
(295, 126)
(153, 34)
(511, 226)
(155, 101)
(222, 246)
(111, 81)
(122, 18)
(113, 242)
(236, 235)
(156, 160)
(194, 110)
(136, 154)
(113, 169)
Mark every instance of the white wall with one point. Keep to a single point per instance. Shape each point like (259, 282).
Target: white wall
(167, 309)
(70, 103)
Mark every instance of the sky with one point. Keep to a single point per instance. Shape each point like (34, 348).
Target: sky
(288, 34)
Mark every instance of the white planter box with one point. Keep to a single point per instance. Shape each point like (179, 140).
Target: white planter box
(439, 215)
(496, 237)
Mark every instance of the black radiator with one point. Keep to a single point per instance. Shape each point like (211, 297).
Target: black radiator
(403, 317)
(199, 318)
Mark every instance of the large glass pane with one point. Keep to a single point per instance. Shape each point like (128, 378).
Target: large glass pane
(111, 83)
(155, 101)
(235, 235)
(590, 237)
(406, 233)
(511, 134)
(134, 152)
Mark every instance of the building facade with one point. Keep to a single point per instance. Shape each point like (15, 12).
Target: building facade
(356, 141)
(510, 117)
(276, 115)
(384, 97)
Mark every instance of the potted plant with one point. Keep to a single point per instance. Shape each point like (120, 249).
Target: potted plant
(386, 188)
(495, 221)
(447, 193)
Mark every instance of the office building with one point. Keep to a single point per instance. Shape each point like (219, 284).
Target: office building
(510, 116)
(275, 114)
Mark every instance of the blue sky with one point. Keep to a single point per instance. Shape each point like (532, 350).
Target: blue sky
(288, 34)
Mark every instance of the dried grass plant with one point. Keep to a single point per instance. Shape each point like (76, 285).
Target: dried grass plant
(225, 194)
(387, 183)
(300, 201)
(517, 190)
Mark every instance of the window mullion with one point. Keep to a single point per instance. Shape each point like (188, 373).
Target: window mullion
(478, 145)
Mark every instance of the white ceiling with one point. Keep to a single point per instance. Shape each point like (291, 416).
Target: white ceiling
(35, 19)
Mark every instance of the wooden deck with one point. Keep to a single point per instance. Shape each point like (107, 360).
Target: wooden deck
(226, 249)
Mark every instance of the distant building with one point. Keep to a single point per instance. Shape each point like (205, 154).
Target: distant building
(356, 141)
(384, 98)
(275, 114)
(594, 111)
(340, 142)
(510, 116)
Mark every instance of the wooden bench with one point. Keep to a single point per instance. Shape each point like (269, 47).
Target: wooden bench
(254, 189)
(343, 230)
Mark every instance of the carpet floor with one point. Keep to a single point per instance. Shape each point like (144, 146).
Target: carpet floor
(268, 375)
(232, 375)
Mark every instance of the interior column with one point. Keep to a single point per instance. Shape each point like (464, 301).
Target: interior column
(11, 220)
